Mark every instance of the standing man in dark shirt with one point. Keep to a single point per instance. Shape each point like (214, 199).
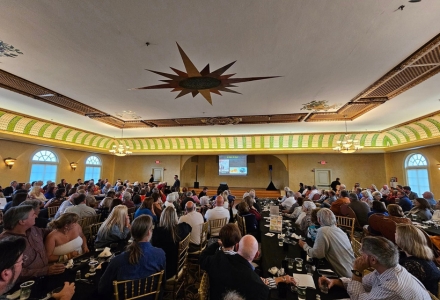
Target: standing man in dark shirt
(8, 191)
(335, 184)
(151, 179)
(176, 184)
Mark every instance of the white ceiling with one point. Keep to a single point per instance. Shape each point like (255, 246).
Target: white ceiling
(94, 52)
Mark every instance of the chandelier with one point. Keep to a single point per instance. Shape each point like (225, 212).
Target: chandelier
(347, 145)
(120, 149)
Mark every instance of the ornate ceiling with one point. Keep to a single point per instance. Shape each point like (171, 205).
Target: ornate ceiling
(364, 61)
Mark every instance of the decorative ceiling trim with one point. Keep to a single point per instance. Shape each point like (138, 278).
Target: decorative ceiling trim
(421, 130)
(416, 68)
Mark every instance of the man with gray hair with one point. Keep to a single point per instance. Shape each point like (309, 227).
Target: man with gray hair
(195, 220)
(429, 196)
(289, 201)
(20, 221)
(389, 280)
(332, 243)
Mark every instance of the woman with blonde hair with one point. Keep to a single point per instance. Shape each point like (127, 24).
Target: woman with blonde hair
(140, 259)
(419, 256)
(167, 237)
(66, 240)
(115, 228)
(37, 194)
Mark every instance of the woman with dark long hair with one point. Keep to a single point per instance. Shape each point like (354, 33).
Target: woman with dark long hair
(168, 235)
(140, 259)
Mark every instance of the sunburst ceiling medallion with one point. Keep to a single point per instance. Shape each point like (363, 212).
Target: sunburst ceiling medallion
(203, 82)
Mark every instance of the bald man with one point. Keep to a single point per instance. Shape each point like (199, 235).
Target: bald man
(234, 272)
(195, 220)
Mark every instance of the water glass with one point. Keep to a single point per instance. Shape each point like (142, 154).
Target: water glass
(309, 269)
(25, 289)
(414, 217)
(301, 290)
(280, 240)
(299, 264)
(290, 262)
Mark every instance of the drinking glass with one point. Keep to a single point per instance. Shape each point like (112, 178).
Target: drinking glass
(25, 289)
(301, 290)
(299, 264)
(290, 262)
(309, 269)
(414, 217)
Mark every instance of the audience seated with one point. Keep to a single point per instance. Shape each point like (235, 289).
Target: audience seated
(40, 222)
(378, 208)
(385, 190)
(195, 220)
(396, 214)
(250, 220)
(140, 260)
(367, 197)
(312, 231)
(289, 201)
(146, 208)
(329, 201)
(80, 208)
(19, 221)
(37, 193)
(429, 196)
(411, 195)
(66, 240)
(332, 243)
(295, 210)
(389, 280)
(404, 202)
(360, 208)
(227, 270)
(66, 203)
(218, 212)
(422, 209)
(252, 209)
(167, 237)
(107, 201)
(115, 228)
(16, 200)
(336, 206)
(60, 196)
(306, 221)
(418, 256)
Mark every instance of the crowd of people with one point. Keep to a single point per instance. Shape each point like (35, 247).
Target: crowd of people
(163, 216)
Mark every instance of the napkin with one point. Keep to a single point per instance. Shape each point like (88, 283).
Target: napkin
(273, 270)
(305, 280)
(69, 264)
(270, 234)
(105, 253)
(295, 236)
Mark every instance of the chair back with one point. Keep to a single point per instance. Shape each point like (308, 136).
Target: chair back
(131, 210)
(375, 222)
(204, 287)
(388, 229)
(51, 211)
(356, 245)
(204, 236)
(131, 216)
(352, 214)
(241, 222)
(346, 224)
(182, 254)
(316, 197)
(138, 288)
(93, 231)
(216, 225)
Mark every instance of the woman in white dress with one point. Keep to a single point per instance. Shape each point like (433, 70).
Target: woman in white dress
(66, 239)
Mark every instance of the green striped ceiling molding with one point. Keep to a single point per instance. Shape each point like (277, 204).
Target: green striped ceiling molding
(420, 129)
(36, 128)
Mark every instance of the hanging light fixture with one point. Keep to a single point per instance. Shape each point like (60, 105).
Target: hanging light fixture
(347, 145)
(121, 150)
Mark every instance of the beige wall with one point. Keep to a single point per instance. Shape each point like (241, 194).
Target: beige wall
(395, 166)
(258, 172)
(23, 153)
(350, 168)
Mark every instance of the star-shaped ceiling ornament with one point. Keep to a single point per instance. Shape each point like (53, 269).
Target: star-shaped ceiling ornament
(203, 82)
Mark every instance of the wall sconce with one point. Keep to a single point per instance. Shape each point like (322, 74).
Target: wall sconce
(73, 165)
(438, 166)
(9, 162)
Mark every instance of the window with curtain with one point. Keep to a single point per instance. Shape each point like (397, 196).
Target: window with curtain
(417, 175)
(93, 168)
(44, 166)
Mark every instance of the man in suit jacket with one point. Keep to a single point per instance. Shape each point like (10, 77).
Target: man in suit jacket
(8, 191)
(230, 271)
(176, 184)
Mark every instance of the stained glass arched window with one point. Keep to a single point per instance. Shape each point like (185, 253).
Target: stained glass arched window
(93, 168)
(416, 167)
(44, 166)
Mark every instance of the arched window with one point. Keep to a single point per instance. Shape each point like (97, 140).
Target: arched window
(93, 168)
(417, 173)
(44, 166)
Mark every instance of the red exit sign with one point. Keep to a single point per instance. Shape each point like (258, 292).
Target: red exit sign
(157, 161)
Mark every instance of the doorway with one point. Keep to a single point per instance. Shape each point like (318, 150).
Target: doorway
(323, 178)
(158, 174)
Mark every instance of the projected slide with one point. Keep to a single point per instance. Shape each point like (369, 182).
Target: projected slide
(232, 165)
